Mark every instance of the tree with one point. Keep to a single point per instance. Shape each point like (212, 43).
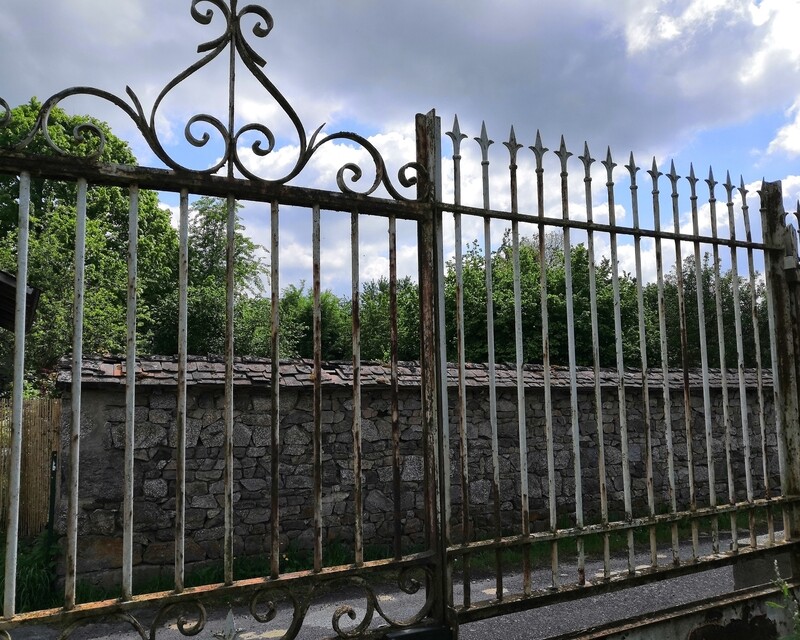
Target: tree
(51, 247)
(376, 320)
(474, 287)
(727, 285)
(206, 294)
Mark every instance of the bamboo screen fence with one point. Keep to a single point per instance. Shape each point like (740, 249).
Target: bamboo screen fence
(41, 419)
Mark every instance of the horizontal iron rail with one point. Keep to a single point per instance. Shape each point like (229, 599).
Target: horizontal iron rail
(218, 592)
(515, 603)
(105, 174)
(611, 527)
(636, 232)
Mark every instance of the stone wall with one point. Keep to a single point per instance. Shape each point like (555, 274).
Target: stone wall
(102, 449)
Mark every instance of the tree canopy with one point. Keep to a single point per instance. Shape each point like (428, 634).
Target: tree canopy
(51, 248)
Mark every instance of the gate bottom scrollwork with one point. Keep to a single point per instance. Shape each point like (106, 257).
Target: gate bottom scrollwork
(363, 610)
(407, 583)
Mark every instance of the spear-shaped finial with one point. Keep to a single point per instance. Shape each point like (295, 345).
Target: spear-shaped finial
(632, 169)
(456, 136)
(586, 158)
(655, 174)
(563, 156)
(711, 182)
(513, 146)
(673, 177)
(538, 150)
(484, 142)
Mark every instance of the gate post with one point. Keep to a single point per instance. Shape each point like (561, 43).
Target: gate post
(433, 363)
(783, 302)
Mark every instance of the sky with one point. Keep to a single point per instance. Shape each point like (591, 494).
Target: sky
(715, 83)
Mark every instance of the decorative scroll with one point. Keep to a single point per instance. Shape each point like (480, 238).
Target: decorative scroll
(226, 132)
(190, 616)
(267, 598)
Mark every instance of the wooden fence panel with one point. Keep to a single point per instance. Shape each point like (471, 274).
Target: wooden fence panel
(41, 418)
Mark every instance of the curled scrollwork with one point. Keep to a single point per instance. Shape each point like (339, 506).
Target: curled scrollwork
(269, 598)
(346, 610)
(191, 620)
(408, 583)
(5, 119)
(260, 25)
(265, 603)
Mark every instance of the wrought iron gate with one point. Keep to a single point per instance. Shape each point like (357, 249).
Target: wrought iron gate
(653, 469)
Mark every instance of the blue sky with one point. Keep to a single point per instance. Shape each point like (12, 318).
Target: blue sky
(712, 82)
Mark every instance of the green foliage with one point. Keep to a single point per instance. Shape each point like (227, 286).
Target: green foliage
(713, 281)
(553, 261)
(788, 601)
(51, 249)
(297, 322)
(36, 573)
(206, 295)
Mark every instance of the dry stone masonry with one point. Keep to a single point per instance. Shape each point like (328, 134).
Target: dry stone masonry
(102, 450)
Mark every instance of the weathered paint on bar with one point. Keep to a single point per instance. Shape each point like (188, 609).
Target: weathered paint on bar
(75, 429)
(130, 397)
(12, 527)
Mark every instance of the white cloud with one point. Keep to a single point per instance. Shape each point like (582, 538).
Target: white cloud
(787, 139)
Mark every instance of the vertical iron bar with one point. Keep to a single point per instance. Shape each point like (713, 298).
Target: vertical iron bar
(563, 156)
(17, 407)
(358, 538)
(781, 323)
(484, 142)
(598, 389)
(684, 338)
(737, 318)
(637, 249)
(621, 395)
(456, 136)
(395, 400)
(275, 374)
(539, 151)
(522, 429)
(435, 431)
(130, 398)
(317, 375)
(229, 354)
(701, 326)
(70, 563)
(662, 329)
(754, 315)
(723, 363)
(180, 418)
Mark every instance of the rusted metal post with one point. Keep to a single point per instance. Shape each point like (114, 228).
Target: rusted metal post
(130, 397)
(230, 256)
(17, 404)
(275, 371)
(781, 267)
(71, 551)
(436, 440)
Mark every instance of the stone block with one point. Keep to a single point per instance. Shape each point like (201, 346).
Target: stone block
(155, 488)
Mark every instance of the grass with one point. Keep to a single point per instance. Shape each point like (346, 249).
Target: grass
(36, 573)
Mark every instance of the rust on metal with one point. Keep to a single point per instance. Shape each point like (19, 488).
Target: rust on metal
(358, 505)
(316, 440)
(274, 447)
(684, 342)
(394, 390)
